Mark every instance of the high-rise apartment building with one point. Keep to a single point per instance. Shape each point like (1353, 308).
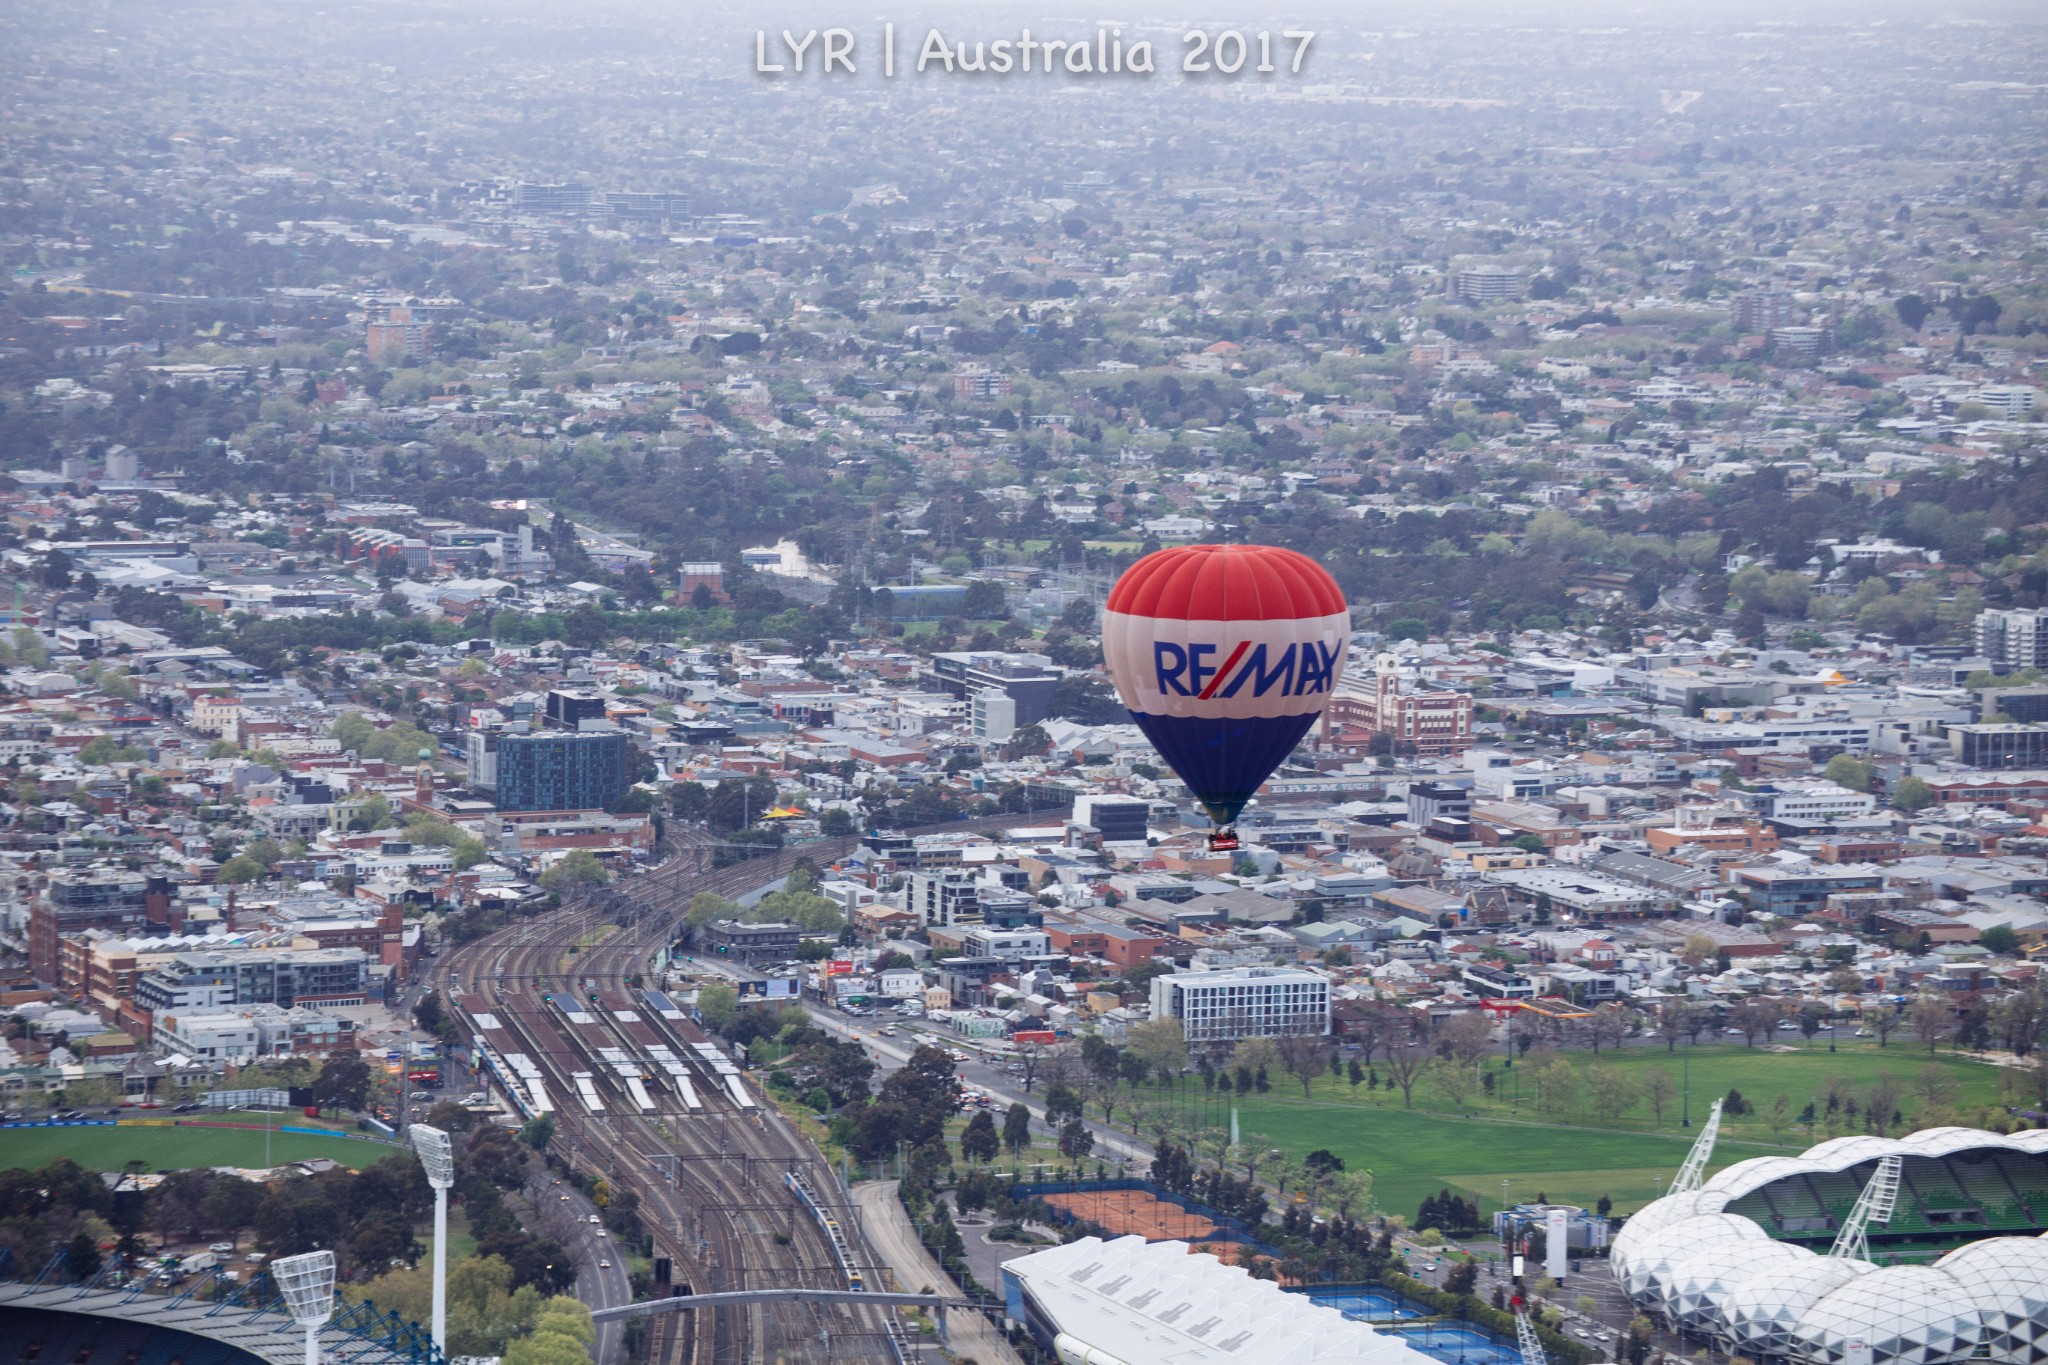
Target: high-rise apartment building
(2014, 639)
(1759, 310)
(222, 980)
(76, 901)
(1028, 679)
(397, 336)
(1486, 284)
(945, 899)
(568, 709)
(558, 770)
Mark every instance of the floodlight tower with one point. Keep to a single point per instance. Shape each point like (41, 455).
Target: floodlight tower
(307, 1283)
(438, 1156)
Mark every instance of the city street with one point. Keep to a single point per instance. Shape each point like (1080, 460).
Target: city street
(889, 1231)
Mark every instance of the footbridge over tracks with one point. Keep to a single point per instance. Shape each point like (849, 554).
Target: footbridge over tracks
(857, 1298)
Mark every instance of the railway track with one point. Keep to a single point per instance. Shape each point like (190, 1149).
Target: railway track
(710, 1177)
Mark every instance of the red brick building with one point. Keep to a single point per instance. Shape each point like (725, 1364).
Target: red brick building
(1431, 723)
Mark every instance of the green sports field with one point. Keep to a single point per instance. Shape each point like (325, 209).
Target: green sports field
(109, 1149)
(1575, 1154)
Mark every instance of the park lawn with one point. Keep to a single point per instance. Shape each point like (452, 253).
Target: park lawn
(461, 1241)
(1801, 1071)
(1413, 1153)
(1417, 1152)
(163, 1149)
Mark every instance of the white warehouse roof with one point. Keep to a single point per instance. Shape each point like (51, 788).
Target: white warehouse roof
(1157, 1303)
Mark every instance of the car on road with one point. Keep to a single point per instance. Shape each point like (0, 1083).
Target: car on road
(221, 1248)
(564, 1198)
(604, 1265)
(593, 1217)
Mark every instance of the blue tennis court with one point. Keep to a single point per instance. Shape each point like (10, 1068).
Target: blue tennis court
(1368, 1305)
(1459, 1345)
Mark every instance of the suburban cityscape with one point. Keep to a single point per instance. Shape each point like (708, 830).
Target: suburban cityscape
(595, 767)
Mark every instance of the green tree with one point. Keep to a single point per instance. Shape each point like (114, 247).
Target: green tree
(230, 1204)
(979, 1140)
(578, 867)
(1161, 1044)
(539, 1132)
(82, 1257)
(799, 904)
(352, 729)
(560, 1336)
(1912, 794)
(1017, 1128)
(717, 1002)
(708, 907)
(1845, 770)
(102, 749)
(238, 869)
(2000, 939)
(373, 813)
(343, 1082)
(984, 600)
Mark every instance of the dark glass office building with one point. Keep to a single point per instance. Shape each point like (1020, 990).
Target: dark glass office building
(559, 770)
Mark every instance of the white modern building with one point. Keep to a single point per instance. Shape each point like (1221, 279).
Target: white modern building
(1014, 944)
(948, 899)
(994, 715)
(2011, 401)
(210, 1036)
(1133, 1302)
(1244, 1002)
(1486, 283)
(1582, 893)
(2018, 638)
(1724, 1261)
(1818, 803)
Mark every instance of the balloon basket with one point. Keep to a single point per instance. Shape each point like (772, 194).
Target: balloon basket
(1224, 841)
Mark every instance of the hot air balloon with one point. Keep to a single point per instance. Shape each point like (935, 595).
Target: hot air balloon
(1225, 656)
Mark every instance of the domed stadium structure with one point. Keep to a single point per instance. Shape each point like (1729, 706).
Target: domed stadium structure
(1758, 1258)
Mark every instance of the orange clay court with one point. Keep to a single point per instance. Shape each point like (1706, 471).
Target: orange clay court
(1124, 1212)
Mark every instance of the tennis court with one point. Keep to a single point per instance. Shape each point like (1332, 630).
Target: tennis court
(1127, 1212)
(1457, 1344)
(1370, 1305)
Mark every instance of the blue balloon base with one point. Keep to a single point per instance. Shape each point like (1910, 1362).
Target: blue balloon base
(1224, 761)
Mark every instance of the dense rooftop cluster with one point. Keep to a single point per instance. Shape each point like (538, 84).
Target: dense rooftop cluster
(432, 488)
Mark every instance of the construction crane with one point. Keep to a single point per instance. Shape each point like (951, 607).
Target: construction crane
(1875, 1205)
(1525, 1336)
(1693, 1172)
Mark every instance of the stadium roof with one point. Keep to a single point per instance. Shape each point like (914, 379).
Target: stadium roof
(1160, 1304)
